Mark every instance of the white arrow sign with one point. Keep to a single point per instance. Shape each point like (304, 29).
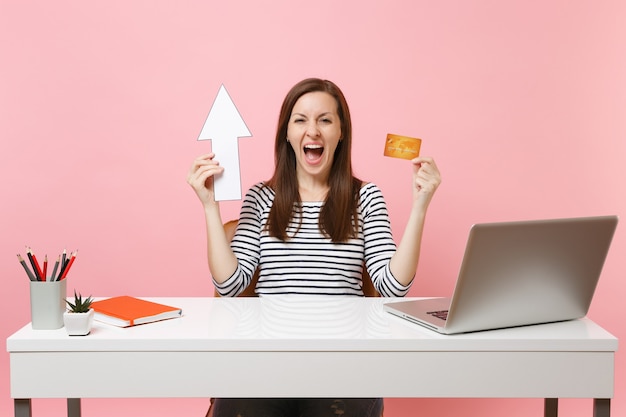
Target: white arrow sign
(223, 126)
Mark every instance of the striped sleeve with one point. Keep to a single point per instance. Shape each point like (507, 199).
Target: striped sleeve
(246, 242)
(379, 243)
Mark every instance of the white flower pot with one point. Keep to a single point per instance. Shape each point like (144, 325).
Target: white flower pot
(78, 324)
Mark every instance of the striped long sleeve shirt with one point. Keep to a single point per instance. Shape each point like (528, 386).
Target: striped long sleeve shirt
(308, 262)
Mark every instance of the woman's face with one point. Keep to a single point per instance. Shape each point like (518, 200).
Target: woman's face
(314, 131)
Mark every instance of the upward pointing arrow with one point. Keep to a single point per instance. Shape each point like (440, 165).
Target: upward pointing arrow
(223, 126)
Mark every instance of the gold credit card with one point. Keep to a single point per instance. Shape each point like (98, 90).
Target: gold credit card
(404, 147)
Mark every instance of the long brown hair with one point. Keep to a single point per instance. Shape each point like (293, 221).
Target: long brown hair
(338, 217)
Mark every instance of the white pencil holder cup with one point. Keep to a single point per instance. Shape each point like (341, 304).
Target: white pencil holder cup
(47, 304)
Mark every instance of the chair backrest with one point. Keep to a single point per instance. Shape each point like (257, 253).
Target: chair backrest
(231, 226)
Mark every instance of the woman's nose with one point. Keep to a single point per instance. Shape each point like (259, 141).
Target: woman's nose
(312, 130)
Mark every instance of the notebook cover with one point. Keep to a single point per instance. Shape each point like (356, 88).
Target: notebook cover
(132, 310)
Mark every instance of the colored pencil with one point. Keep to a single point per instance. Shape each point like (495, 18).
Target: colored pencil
(44, 276)
(69, 264)
(30, 274)
(54, 271)
(64, 262)
(34, 264)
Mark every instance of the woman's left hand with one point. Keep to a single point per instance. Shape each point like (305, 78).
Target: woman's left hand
(426, 179)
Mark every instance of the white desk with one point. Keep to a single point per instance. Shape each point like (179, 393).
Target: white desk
(310, 347)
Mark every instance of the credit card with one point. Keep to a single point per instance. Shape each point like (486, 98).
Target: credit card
(404, 147)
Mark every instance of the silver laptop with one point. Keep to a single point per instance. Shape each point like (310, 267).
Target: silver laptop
(519, 273)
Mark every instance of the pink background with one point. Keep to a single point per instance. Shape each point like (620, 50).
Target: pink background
(522, 103)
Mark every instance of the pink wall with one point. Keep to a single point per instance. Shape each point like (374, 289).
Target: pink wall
(521, 103)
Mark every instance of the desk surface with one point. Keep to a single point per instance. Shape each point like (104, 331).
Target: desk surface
(294, 344)
(305, 323)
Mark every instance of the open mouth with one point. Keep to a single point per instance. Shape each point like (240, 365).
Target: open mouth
(313, 152)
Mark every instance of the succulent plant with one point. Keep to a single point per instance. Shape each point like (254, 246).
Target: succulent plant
(79, 305)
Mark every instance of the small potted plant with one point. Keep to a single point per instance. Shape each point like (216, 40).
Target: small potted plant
(78, 318)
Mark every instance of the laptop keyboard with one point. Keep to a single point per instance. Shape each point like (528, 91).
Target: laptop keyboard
(441, 314)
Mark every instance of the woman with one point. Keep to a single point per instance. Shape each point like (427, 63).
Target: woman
(314, 226)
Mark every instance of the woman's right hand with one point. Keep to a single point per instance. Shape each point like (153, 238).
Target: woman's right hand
(201, 175)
